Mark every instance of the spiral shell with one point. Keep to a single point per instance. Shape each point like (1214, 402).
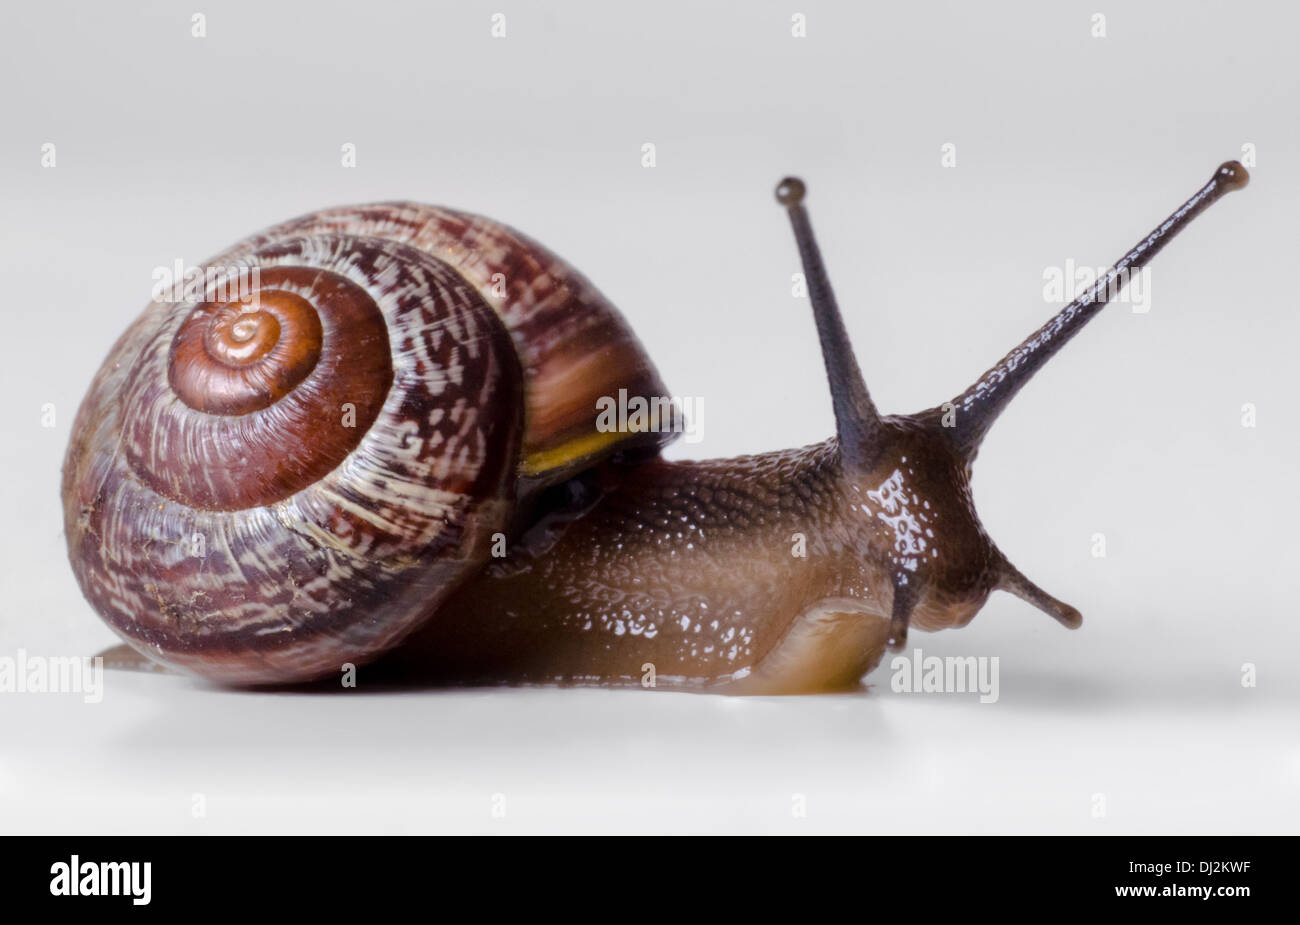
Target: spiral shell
(267, 482)
(262, 490)
(573, 345)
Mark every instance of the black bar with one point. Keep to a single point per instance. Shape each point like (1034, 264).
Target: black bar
(917, 874)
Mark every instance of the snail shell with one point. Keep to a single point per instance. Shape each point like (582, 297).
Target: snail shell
(263, 488)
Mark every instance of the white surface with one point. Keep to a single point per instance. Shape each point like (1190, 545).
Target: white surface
(1181, 761)
(1068, 147)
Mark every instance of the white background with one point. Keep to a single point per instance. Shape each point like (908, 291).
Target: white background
(1068, 147)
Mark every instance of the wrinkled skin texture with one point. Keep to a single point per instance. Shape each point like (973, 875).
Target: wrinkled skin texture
(697, 569)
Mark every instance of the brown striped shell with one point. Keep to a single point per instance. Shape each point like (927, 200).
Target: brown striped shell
(266, 483)
(573, 345)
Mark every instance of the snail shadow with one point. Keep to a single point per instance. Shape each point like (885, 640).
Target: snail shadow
(388, 677)
(382, 679)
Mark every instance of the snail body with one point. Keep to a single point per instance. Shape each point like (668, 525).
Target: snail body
(410, 391)
(757, 574)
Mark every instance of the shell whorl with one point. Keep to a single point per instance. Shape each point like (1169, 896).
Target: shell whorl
(263, 396)
(264, 488)
(574, 346)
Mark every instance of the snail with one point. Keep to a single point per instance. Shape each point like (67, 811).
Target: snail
(389, 446)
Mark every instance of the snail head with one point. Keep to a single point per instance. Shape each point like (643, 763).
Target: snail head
(906, 478)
